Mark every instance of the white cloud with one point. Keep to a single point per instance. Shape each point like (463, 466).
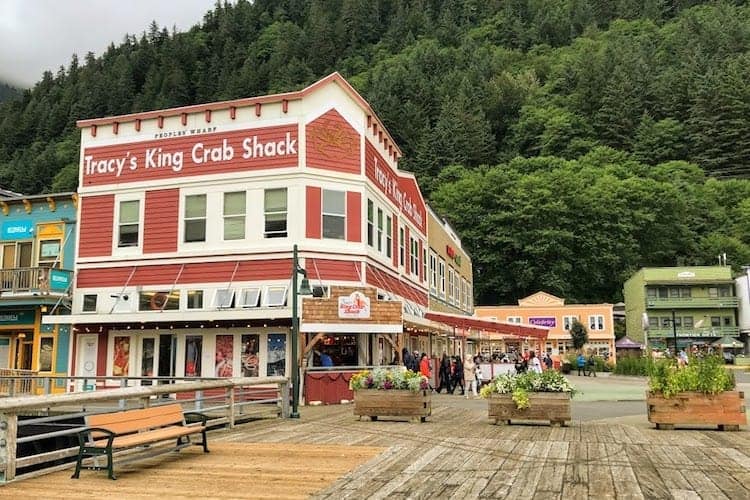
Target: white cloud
(39, 35)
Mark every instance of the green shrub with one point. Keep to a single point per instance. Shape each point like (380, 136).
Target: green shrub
(630, 365)
(706, 374)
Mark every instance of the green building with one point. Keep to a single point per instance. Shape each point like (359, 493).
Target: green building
(696, 305)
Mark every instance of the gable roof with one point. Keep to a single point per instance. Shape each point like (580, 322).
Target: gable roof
(541, 299)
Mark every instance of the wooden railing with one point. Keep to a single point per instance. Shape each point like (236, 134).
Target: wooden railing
(224, 401)
(32, 279)
(17, 382)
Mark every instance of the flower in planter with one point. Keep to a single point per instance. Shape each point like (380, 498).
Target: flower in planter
(389, 379)
(519, 386)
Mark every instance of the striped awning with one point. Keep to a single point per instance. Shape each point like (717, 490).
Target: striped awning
(488, 325)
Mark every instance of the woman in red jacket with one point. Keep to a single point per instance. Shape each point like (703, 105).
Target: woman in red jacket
(424, 368)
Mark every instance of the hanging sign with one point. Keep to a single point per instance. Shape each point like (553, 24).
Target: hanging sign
(356, 305)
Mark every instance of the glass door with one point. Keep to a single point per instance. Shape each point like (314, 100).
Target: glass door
(148, 358)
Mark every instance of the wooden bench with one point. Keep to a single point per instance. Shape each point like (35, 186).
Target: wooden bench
(108, 432)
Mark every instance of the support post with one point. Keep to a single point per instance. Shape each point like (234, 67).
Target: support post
(8, 433)
(295, 338)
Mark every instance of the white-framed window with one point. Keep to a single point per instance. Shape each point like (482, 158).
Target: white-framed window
(388, 236)
(433, 271)
(89, 303)
(568, 322)
(276, 295)
(596, 322)
(195, 299)
(234, 215)
(224, 298)
(195, 218)
(414, 257)
(129, 224)
(513, 319)
(49, 253)
(334, 214)
(380, 229)
(401, 250)
(250, 297)
(370, 223)
(457, 288)
(450, 284)
(441, 276)
(424, 263)
(275, 210)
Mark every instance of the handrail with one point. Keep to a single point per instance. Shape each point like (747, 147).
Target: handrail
(225, 407)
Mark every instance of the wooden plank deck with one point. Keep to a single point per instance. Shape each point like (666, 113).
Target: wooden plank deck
(457, 453)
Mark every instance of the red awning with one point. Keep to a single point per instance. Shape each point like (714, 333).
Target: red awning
(488, 325)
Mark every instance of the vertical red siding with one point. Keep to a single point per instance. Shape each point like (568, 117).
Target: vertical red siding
(407, 252)
(97, 214)
(353, 216)
(101, 355)
(395, 241)
(162, 217)
(313, 212)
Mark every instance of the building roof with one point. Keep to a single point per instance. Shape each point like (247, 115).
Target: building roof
(488, 325)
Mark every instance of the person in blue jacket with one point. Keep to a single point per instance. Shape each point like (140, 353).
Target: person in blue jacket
(581, 362)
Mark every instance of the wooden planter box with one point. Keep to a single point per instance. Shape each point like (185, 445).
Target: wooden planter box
(726, 410)
(550, 406)
(374, 403)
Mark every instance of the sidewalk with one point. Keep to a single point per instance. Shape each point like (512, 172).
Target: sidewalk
(606, 387)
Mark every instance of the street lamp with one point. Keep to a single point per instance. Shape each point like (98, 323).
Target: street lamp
(303, 290)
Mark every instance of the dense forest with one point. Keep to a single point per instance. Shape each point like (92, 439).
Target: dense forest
(8, 92)
(569, 142)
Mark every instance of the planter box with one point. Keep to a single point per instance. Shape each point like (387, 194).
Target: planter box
(376, 403)
(726, 409)
(550, 406)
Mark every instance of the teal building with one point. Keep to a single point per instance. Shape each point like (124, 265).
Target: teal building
(37, 245)
(692, 305)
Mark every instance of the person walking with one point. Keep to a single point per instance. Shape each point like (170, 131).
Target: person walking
(424, 368)
(458, 374)
(535, 366)
(591, 365)
(470, 377)
(444, 375)
(581, 362)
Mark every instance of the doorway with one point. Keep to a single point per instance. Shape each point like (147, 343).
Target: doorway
(86, 361)
(24, 351)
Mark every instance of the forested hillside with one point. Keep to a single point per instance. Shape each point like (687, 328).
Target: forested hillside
(8, 92)
(569, 142)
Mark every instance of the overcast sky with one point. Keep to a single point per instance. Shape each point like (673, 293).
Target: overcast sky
(39, 35)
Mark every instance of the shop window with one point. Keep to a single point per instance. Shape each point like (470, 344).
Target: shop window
(147, 359)
(275, 207)
(249, 358)
(276, 364)
(234, 215)
(49, 253)
(193, 355)
(715, 321)
(159, 301)
(121, 356)
(89, 303)
(128, 228)
(195, 299)
(224, 356)
(334, 214)
(249, 297)
(224, 298)
(195, 218)
(276, 296)
(46, 350)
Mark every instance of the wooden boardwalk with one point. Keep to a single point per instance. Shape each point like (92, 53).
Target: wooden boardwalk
(328, 453)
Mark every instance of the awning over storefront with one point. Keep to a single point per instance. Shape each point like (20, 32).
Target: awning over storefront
(487, 325)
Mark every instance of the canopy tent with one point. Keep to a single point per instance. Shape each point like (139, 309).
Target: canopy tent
(728, 343)
(488, 325)
(628, 343)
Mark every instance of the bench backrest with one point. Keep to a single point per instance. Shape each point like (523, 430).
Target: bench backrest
(129, 421)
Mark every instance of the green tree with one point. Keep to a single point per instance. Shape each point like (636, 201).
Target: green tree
(579, 335)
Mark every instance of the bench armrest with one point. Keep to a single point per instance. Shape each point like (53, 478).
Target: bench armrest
(192, 417)
(88, 430)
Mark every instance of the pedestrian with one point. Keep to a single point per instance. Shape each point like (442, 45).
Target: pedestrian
(458, 374)
(535, 366)
(547, 360)
(592, 365)
(424, 368)
(470, 377)
(408, 359)
(444, 374)
(581, 362)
